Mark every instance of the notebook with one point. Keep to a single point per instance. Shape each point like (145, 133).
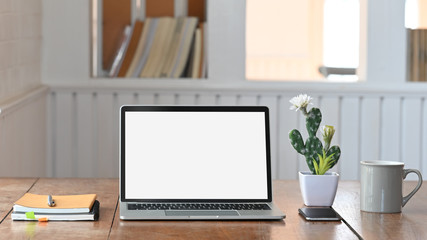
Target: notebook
(65, 208)
(195, 162)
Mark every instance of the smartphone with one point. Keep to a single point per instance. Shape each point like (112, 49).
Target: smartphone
(319, 214)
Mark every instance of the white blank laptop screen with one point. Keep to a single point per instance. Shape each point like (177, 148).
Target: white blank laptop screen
(195, 155)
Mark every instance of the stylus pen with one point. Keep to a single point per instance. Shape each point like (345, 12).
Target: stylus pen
(50, 201)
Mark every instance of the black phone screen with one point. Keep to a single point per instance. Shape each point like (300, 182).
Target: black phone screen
(320, 214)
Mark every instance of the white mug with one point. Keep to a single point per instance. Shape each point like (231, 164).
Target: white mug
(381, 186)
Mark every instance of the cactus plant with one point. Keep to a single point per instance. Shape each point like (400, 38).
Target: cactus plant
(319, 158)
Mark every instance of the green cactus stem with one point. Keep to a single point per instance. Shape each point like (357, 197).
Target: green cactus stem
(313, 146)
(315, 155)
(312, 121)
(335, 151)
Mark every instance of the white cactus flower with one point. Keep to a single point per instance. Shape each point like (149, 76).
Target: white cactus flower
(300, 102)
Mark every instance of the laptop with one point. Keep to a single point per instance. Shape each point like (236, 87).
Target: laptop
(195, 162)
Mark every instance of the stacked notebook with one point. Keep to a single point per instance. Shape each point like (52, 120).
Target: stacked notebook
(35, 207)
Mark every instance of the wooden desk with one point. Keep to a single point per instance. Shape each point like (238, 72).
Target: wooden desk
(408, 224)
(10, 190)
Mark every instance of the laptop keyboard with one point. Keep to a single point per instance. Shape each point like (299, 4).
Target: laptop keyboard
(198, 206)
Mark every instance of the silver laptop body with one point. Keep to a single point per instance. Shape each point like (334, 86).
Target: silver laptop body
(195, 162)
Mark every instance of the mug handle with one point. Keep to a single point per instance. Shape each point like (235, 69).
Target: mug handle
(420, 182)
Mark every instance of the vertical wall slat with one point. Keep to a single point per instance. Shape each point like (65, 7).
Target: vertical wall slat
(288, 157)
(86, 163)
(146, 98)
(207, 99)
(390, 129)
(411, 134)
(330, 108)
(64, 154)
(271, 103)
(187, 99)
(370, 128)
(165, 99)
(106, 165)
(51, 134)
(36, 113)
(122, 99)
(247, 100)
(350, 138)
(227, 100)
(424, 138)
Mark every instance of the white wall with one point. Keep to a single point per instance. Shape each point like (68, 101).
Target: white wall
(382, 118)
(66, 41)
(20, 44)
(22, 98)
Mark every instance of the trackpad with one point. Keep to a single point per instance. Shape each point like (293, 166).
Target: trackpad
(201, 213)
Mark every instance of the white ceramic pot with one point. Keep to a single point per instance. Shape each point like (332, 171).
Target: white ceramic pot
(318, 190)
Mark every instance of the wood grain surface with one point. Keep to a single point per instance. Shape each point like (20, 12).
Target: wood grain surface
(410, 224)
(107, 194)
(11, 189)
(288, 199)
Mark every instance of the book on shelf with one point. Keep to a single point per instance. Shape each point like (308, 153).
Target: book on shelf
(158, 51)
(151, 27)
(117, 62)
(195, 60)
(417, 49)
(172, 51)
(184, 46)
(164, 47)
(204, 57)
(130, 51)
(66, 208)
(139, 50)
(202, 50)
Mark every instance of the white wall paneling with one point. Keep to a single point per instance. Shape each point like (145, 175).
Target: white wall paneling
(423, 130)
(349, 137)
(411, 134)
(247, 100)
(187, 99)
(369, 125)
(207, 99)
(286, 168)
(271, 103)
(64, 153)
(23, 135)
(227, 99)
(85, 135)
(390, 128)
(105, 108)
(370, 122)
(145, 98)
